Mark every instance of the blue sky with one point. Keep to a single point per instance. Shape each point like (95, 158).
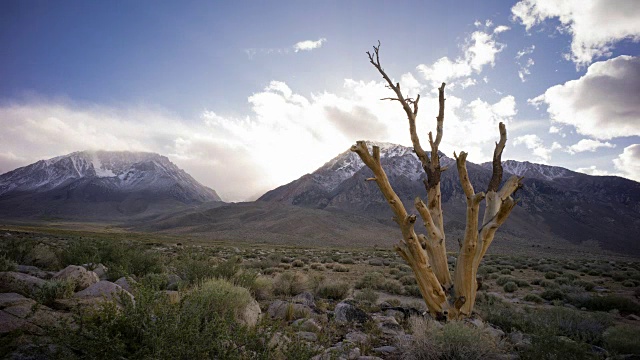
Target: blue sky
(247, 96)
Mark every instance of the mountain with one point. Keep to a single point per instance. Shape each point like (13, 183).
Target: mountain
(99, 185)
(555, 204)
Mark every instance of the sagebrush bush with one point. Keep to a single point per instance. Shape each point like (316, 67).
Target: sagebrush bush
(340, 268)
(505, 279)
(510, 287)
(533, 298)
(334, 290)
(373, 280)
(367, 295)
(290, 284)
(53, 290)
(622, 339)
(7, 264)
(453, 341)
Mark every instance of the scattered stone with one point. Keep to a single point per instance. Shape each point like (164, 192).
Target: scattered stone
(15, 282)
(369, 358)
(476, 322)
(519, 340)
(495, 333)
(10, 323)
(304, 298)
(101, 271)
(173, 281)
(285, 310)
(388, 325)
(82, 277)
(356, 337)
(249, 315)
(307, 325)
(600, 289)
(345, 313)
(14, 299)
(126, 283)
(34, 271)
(307, 335)
(385, 350)
(103, 289)
(600, 351)
(633, 317)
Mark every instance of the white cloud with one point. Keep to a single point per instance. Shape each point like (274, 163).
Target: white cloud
(629, 162)
(525, 51)
(595, 25)
(525, 69)
(554, 130)
(534, 142)
(480, 49)
(603, 103)
(593, 170)
(588, 145)
(308, 45)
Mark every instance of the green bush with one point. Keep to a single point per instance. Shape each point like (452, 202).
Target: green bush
(622, 339)
(340, 268)
(550, 275)
(553, 347)
(55, 289)
(373, 280)
(552, 294)
(290, 284)
(7, 264)
(608, 303)
(392, 287)
(504, 279)
(533, 298)
(335, 290)
(510, 287)
(453, 341)
(367, 295)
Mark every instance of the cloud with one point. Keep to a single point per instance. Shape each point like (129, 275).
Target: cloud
(593, 170)
(629, 162)
(480, 49)
(524, 66)
(308, 45)
(534, 142)
(595, 26)
(603, 103)
(588, 145)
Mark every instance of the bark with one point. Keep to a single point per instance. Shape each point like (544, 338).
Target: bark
(426, 254)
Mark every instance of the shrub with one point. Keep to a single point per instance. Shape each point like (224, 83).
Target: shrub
(522, 283)
(408, 280)
(376, 262)
(510, 287)
(586, 285)
(610, 302)
(554, 347)
(454, 340)
(373, 280)
(367, 295)
(332, 290)
(7, 264)
(55, 289)
(505, 272)
(346, 260)
(504, 279)
(340, 268)
(298, 263)
(552, 294)
(412, 290)
(622, 339)
(392, 287)
(628, 283)
(533, 298)
(290, 284)
(262, 288)
(550, 275)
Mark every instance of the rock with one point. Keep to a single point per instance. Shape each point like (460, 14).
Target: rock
(307, 335)
(307, 325)
(250, 315)
(103, 289)
(600, 289)
(82, 277)
(451, 259)
(388, 325)
(173, 281)
(10, 323)
(304, 298)
(34, 271)
(288, 311)
(345, 313)
(385, 350)
(15, 282)
(173, 296)
(126, 283)
(369, 358)
(40, 316)
(278, 340)
(101, 271)
(14, 299)
(476, 322)
(633, 317)
(356, 337)
(495, 333)
(519, 340)
(600, 351)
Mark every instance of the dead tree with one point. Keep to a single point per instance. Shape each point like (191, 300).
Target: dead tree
(446, 298)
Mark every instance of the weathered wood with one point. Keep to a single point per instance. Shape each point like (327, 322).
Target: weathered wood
(426, 254)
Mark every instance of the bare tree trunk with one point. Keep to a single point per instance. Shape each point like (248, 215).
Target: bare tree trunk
(427, 254)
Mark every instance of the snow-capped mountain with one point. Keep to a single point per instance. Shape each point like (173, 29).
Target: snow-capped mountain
(554, 202)
(101, 177)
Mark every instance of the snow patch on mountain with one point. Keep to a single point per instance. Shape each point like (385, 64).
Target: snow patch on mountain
(532, 170)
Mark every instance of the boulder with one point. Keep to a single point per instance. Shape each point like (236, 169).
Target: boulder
(356, 337)
(10, 323)
(345, 313)
(388, 325)
(307, 325)
(14, 299)
(103, 289)
(304, 298)
(34, 271)
(385, 350)
(82, 277)
(250, 315)
(307, 335)
(126, 283)
(15, 282)
(285, 310)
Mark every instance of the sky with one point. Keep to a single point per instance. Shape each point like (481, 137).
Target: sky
(249, 95)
